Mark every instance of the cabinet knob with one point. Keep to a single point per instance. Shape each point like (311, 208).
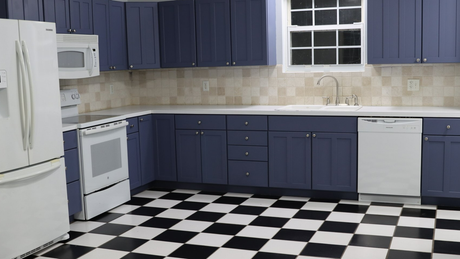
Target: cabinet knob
(228, 63)
(247, 153)
(426, 138)
(247, 173)
(202, 133)
(448, 126)
(74, 30)
(308, 135)
(141, 119)
(131, 66)
(131, 126)
(196, 133)
(69, 30)
(199, 122)
(234, 63)
(193, 64)
(246, 123)
(66, 168)
(127, 138)
(425, 60)
(314, 135)
(418, 60)
(246, 138)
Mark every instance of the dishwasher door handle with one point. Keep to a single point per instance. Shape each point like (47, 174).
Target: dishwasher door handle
(389, 121)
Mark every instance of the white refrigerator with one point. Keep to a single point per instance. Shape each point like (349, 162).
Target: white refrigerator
(33, 197)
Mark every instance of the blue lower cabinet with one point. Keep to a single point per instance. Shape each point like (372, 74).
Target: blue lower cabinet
(146, 143)
(290, 159)
(164, 148)
(72, 165)
(74, 197)
(248, 173)
(250, 153)
(334, 166)
(134, 162)
(188, 148)
(214, 156)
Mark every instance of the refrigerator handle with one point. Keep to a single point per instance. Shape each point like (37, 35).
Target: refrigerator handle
(25, 50)
(20, 176)
(22, 96)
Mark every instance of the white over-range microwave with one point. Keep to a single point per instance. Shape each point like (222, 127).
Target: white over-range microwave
(78, 56)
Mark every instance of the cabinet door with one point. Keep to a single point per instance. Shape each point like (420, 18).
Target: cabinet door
(289, 159)
(164, 148)
(214, 156)
(143, 35)
(57, 11)
(25, 10)
(101, 23)
(213, 33)
(134, 161)
(74, 197)
(394, 31)
(188, 147)
(249, 32)
(177, 33)
(72, 165)
(334, 161)
(118, 48)
(441, 31)
(81, 16)
(146, 148)
(441, 166)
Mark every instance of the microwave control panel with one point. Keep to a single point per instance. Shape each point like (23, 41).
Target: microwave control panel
(3, 80)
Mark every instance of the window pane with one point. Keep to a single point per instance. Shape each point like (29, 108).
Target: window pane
(350, 3)
(325, 3)
(301, 39)
(301, 57)
(350, 38)
(350, 56)
(301, 18)
(349, 16)
(300, 4)
(325, 56)
(325, 38)
(325, 17)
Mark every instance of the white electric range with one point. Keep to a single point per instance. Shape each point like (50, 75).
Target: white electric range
(103, 156)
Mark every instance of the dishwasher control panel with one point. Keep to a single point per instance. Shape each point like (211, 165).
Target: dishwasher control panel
(396, 125)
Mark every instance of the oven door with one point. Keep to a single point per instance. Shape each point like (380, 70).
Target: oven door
(103, 156)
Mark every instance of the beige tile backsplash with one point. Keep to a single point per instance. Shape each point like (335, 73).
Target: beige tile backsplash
(268, 85)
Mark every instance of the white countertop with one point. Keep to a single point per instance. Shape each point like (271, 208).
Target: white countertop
(68, 127)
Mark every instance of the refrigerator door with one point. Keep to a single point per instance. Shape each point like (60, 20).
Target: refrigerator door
(12, 121)
(38, 40)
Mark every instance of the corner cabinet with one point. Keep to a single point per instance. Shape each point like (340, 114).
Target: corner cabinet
(164, 148)
(22, 9)
(70, 16)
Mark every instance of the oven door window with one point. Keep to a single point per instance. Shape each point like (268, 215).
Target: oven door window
(71, 59)
(106, 157)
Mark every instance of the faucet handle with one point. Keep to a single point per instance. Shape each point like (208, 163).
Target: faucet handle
(328, 100)
(355, 99)
(347, 101)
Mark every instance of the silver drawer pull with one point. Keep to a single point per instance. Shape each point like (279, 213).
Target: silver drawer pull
(246, 123)
(426, 138)
(246, 138)
(448, 126)
(132, 126)
(247, 173)
(199, 122)
(247, 153)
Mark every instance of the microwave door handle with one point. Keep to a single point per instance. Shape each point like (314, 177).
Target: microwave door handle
(92, 60)
(23, 103)
(100, 130)
(25, 50)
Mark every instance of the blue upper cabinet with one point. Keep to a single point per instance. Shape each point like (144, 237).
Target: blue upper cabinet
(213, 33)
(143, 35)
(70, 16)
(177, 33)
(22, 9)
(413, 31)
(57, 11)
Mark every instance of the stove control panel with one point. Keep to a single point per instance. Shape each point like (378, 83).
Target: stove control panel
(70, 97)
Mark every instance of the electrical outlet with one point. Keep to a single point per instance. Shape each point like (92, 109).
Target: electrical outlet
(111, 89)
(413, 85)
(205, 86)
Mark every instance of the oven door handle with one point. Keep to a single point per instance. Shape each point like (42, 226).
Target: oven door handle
(100, 130)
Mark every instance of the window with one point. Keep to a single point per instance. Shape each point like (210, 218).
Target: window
(323, 34)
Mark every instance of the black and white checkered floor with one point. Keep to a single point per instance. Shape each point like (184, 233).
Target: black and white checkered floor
(175, 224)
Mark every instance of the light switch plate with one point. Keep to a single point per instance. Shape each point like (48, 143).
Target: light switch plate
(205, 86)
(413, 85)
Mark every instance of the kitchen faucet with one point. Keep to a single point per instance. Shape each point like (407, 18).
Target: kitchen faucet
(336, 88)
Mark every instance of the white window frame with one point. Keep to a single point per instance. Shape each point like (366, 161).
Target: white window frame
(286, 41)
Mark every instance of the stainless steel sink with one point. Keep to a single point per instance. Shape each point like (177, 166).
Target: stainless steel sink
(319, 108)
(341, 108)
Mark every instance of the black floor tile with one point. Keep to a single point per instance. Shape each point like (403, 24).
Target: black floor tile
(312, 214)
(73, 235)
(193, 252)
(250, 210)
(68, 252)
(141, 256)
(123, 243)
(160, 223)
(177, 196)
(262, 255)
(206, 216)
(288, 204)
(224, 229)
(323, 250)
(342, 227)
(398, 254)
(212, 193)
(246, 243)
(160, 189)
(269, 222)
(107, 217)
(448, 224)
(380, 219)
(445, 247)
(448, 208)
(111, 229)
(138, 201)
(424, 233)
(261, 196)
(230, 200)
(324, 200)
(371, 241)
(294, 235)
(147, 211)
(420, 213)
(175, 236)
(387, 204)
(351, 208)
(188, 205)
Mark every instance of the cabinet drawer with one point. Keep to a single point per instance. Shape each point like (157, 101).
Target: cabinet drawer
(72, 165)
(200, 122)
(70, 139)
(133, 125)
(74, 197)
(247, 138)
(248, 153)
(307, 123)
(247, 122)
(248, 173)
(441, 126)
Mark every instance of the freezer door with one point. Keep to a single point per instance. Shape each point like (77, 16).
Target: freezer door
(12, 130)
(38, 40)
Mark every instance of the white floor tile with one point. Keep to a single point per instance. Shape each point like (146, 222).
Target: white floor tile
(154, 247)
(124, 209)
(321, 206)
(411, 244)
(143, 232)
(203, 198)
(419, 206)
(186, 191)
(448, 214)
(294, 198)
(236, 194)
(219, 207)
(150, 194)
(85, 226)
(258, 232)
(447, 235)
(416, 222)
(279, 212)
(91, 240)
(345, 217)
(99, 253)
(239, 219)
(162, 203)
(258, 202)
(441, 256)
(283, 247)
(192, 225)
(303, 224)
(229, 253)
(132, 220)
(358, 252)
(207, 239)
(176, 214)
(375, 229)
(333, 238)
(384, 210)
(352, 202)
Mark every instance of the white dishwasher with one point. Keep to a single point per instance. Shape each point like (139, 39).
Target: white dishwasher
(389, 159)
